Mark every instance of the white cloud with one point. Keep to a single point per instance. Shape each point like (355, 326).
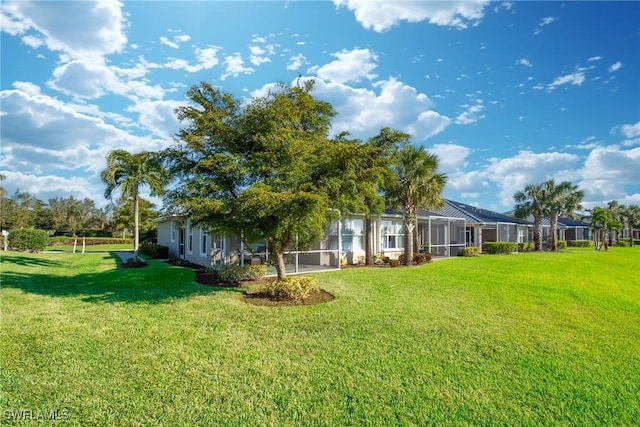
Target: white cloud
(235, 66)
(472, 114)
(350, 66)
(41, 134)
(165, 41)
(524, 61)
(452, 157)
(381, 16)
(77, 28)
(158, 117)
(206, 58)
(615, 67)
(296, 61)
(45, 187)
(544, 22)
(631, 131)
(595, 58)
(576, 78)
(258, 56)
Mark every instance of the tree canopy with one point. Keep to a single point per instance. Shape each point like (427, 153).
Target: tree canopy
(267, 170)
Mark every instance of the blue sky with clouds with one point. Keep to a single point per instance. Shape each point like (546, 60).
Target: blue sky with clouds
(506, 93)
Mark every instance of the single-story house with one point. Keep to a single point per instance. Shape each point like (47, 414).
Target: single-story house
(573, 229)
(442, 235)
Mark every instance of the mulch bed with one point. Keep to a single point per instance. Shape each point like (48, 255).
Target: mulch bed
(255, 296)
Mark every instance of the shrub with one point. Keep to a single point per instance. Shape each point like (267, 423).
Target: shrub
(378, 259)
(580, 243)
(255, 272)
(30, 240)
(231, 273)
(428, 256)
(471, 251)
(296, 288)
(525, 246)
(499, 247)
(562, 244)
(419, 258)
(154, 251)
(624, 243)
(394, 262)
(68, 241)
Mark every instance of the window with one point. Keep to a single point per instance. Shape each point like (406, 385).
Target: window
(173, 231)
(203, 243)
(189, 237)
(392, 234)
(352, 235)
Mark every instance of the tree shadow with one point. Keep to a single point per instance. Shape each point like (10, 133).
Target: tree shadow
(29, 261)
(155, 284)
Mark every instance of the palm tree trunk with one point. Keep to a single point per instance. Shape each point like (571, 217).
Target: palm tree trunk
(136, 233)
(553, 243)
(408, 242)
(537, 234)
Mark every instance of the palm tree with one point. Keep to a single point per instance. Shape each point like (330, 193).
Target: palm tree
(562, 199)
(599, 222)
(616, 213)
(130, 172)
(632, 215)
(416, 184)
(532, 201)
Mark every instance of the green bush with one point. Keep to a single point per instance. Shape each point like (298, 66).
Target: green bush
(296, 288)
(231, 273)
(471, 251)
(134, 263)
(154, 251)
(562, 244)
(499, 247)
(419, 258)
(28, 240)
(68, 241)
(255, 272)
(580, 243)
(624, 243)
(525, 246)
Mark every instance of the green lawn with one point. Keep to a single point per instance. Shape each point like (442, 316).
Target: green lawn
(524, 339)
(110, 247)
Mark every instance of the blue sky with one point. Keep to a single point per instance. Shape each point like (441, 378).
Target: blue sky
(506, 93)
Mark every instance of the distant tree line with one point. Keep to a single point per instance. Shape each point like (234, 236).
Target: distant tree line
(71, 216)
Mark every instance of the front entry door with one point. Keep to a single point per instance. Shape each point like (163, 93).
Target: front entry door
(181, 243)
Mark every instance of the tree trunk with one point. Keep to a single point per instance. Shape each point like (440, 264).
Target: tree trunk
(537, 234)
(553, 243)
(408, 242)
(368, 242)
(281, 268)
(136, 233)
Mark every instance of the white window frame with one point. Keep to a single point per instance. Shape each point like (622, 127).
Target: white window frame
(398, 235)
(348, 224)
(173, 231)
(189, 237)
(203, 248)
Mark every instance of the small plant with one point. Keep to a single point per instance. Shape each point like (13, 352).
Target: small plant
(562, 244)
(580, 243)
(292, 288)
(428, 256)
(231, 273)
(378, 259)
(213, 273)
(255, 272)
(471, 251)
(394, 262)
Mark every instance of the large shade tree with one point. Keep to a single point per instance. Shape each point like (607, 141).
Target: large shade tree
(130, 173)
(532, 201)
(416, 184)
(632, 218)
(265, 170)
(561, 199)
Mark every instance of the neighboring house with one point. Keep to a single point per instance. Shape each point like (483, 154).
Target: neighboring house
(482, 225)
(573, 229)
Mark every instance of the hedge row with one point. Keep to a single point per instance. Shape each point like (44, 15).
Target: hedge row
(68, 241)
(499, 247)
(28, 240)
(154, 251)
(580, 243)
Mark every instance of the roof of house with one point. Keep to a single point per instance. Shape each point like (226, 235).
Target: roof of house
(568, 222)
(474, 215)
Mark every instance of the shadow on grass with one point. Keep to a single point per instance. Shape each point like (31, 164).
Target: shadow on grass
(155, 284)
(29, 261)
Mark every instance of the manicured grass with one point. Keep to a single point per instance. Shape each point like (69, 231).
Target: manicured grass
(523, 339)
